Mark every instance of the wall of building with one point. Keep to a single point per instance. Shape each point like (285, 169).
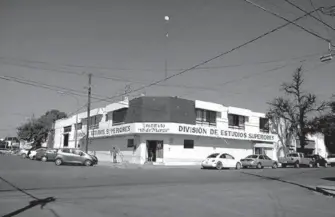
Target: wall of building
(102, 147)
(176, 154)
(161, 109)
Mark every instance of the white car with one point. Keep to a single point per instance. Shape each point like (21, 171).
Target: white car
(220, 161)
(23, 153)
(331, 159)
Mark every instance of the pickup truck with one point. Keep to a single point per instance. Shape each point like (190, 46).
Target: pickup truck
(296, 160)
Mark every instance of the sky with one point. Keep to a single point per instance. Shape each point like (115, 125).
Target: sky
(122, 42)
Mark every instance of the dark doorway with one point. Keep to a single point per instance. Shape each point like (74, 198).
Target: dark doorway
(155, 150)
(66, 140)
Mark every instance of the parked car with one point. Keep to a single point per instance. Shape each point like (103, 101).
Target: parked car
(74, 156)
(23, 152)
(258, 161)
(318, 160)
(220, 161)
(47, 155)
(331, 159)
(296, 160)
(32, 154)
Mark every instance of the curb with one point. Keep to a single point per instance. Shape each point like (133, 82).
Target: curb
(326, 190)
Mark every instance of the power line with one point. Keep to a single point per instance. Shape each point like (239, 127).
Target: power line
(283, 18)
(218, 56)
(52, 86)
(318, 19)
(168, 85)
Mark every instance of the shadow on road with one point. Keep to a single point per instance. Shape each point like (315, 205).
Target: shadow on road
(33, 203)
(329, 179)
(281, 180)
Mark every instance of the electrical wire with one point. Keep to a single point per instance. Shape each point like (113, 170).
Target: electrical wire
(61, 89)
(318, 19)
(283, 18)
(217, 56)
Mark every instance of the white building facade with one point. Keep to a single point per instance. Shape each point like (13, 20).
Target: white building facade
(169, 131)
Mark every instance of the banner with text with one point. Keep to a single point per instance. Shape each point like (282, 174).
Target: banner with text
(181, 129)
(112, 131)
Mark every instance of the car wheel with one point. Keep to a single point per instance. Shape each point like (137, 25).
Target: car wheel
(23, 155)
(88, 163)
(238, 166)
(44, 159)
(275, 166)
(296, 165)
(219, 166)
(317, 165)
(259, 166)
(58, 162)
(326, 165)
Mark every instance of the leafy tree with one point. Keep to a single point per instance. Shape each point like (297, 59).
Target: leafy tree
(37, 130)
(295, 110)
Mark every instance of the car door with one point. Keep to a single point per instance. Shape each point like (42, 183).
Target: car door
(262, 160)
(268, 161)
(78, 156)
(230, 160)
(66, 155)
(224, 161)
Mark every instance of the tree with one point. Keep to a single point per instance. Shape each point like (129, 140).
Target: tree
(325, 124)
(296, 109)
(37, 130)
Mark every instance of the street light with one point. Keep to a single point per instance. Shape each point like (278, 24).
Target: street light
(75, 128)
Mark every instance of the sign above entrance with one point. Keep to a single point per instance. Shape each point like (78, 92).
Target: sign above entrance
(154, 128)
(181, 129)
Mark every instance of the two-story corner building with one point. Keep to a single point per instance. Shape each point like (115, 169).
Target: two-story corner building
(168, 130)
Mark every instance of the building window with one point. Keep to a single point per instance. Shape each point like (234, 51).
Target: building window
(237, 121)
(264, 125)
(205, 117)
(94, 121)
(188, 144)
(67, 129)
(78, 126)
(106, 117)
(130, 143)
(119, 116)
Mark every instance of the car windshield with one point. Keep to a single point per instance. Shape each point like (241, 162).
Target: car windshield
(252, 156)
(213, 155)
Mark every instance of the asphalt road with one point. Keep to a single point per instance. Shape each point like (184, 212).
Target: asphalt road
(31, 188)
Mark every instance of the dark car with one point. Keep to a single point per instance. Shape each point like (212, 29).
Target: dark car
(46, 155)
(318, 160)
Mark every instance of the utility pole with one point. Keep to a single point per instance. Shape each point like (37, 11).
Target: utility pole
(166, 39)
(88, 112)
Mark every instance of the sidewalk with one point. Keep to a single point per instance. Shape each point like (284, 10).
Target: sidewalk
(143, 166)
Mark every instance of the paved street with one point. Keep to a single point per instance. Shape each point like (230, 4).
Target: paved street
(104, 191)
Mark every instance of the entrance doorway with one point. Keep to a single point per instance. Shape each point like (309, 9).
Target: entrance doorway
(66, 140)
(155, 150)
